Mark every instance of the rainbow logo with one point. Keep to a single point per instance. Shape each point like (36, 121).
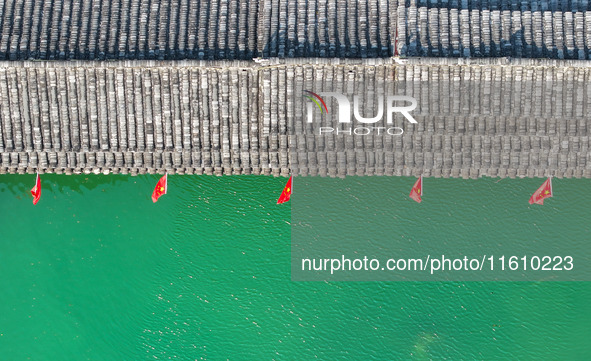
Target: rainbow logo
(313, 97)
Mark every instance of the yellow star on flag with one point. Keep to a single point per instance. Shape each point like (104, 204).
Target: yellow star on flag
(286, 193)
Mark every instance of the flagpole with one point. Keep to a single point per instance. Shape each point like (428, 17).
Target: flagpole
(165, 182)
(551, 192)
(422, 187)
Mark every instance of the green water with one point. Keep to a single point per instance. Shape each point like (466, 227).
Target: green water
(96, 271)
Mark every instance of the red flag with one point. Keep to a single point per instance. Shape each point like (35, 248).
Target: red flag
(36, 190)
(160, 189)
(545, 191)
(284, 197)
(417, 190)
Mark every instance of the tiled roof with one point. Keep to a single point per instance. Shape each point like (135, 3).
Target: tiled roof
(246, 29)
(475, 118)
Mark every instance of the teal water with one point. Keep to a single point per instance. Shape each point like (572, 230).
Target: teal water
(374, 217)
(96, 271)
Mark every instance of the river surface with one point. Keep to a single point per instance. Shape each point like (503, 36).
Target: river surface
(96, 271)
